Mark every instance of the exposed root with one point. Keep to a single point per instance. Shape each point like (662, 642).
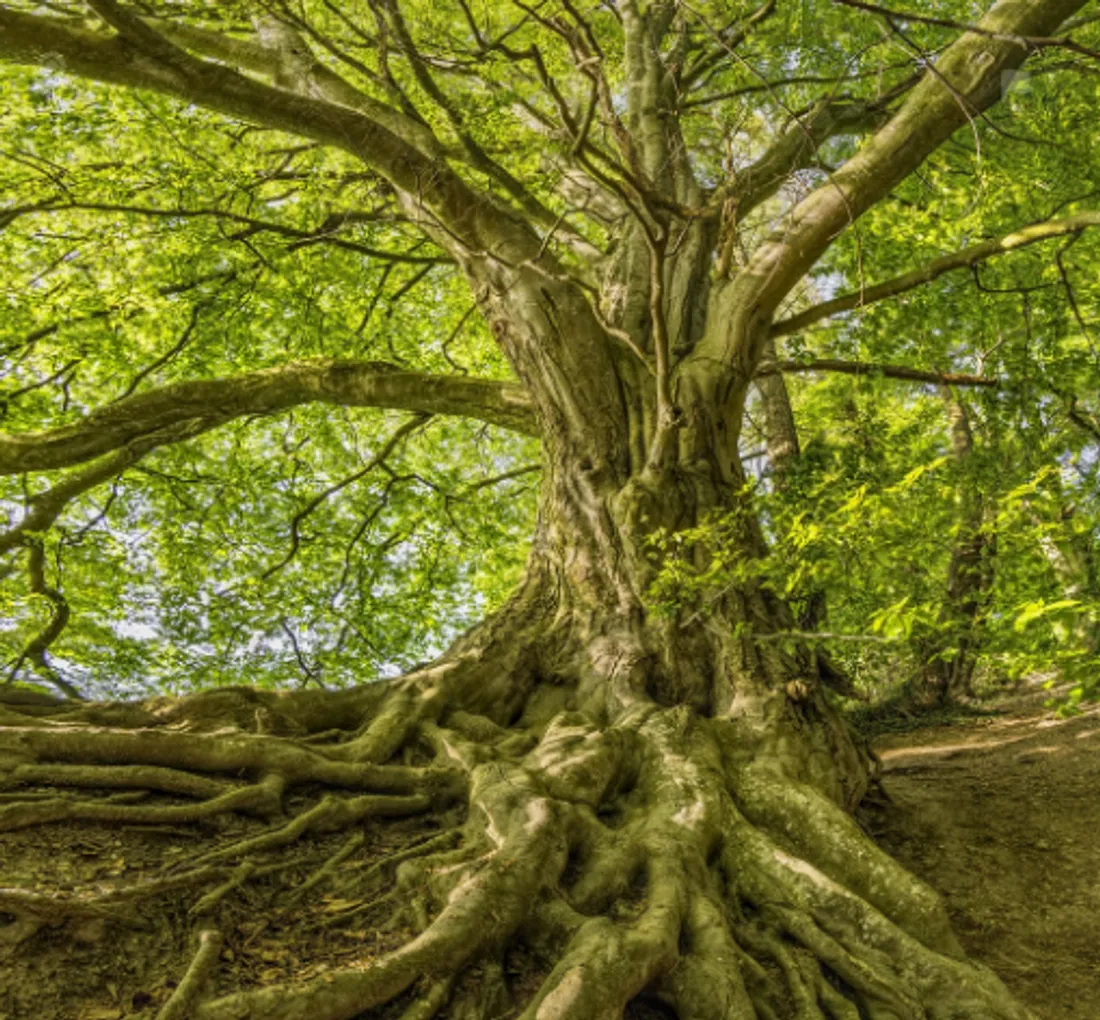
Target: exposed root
(261, 797)
(375, 869)
(366, 907)
(46, 909)
(708, 981)
(482, 993)
(431, 1002)
(34, 911)
(483, 907)
(183, 998)
(328, 869)
(23, 927)
(149, 777)
(631, 850)
(225, 753)
(208, 902)
(329, 815)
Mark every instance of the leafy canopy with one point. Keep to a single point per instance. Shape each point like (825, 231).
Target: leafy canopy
(147, 241)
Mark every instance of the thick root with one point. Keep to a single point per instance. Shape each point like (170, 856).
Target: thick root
(633, 854)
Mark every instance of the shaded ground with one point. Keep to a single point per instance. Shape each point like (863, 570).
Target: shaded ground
(1002, 816)
(124, 957)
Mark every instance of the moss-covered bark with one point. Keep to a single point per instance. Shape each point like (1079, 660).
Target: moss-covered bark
(633, 848)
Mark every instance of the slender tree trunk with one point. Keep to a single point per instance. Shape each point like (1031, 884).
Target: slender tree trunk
(951, 655)
(784, 450)
(780, 429)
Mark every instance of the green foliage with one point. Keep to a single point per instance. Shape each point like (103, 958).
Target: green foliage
(145, 241)
(173, 572)
(857, 523)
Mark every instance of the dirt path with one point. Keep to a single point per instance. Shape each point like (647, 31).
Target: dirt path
(1002, 816)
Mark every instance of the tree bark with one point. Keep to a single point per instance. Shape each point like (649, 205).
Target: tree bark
(950, 656)
(784, 450)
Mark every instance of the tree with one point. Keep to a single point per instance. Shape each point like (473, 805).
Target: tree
(950, 666)
(657, 806)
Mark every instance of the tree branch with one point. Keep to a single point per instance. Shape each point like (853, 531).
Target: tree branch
(141, 58)
(44, 508)
(182, 410)
(1032, 42)
(507, 263)
(475, 155)
(728, 39)
(1082, 419)
(320, 81)
(874, 368)
(966, 80)
(963, 259)
(37, 649)
(405, 429)
(797, 147)
(252, 225)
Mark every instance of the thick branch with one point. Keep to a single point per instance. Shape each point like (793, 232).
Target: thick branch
(182, 410)
(1032, 42)
(797, 147)
(964, 259)
(873, 368)
(140, 58)
(506, 262)
(253, 55)
(965, 81)
(45, 507)
(475, 155)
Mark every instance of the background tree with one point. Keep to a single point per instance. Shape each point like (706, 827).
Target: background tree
(585, 225)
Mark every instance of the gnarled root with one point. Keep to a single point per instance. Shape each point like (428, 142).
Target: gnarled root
(634, 852)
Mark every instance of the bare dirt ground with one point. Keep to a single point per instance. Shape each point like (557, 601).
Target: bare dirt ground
(1002, 816)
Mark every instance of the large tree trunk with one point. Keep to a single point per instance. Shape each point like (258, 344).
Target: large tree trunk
(640, 807)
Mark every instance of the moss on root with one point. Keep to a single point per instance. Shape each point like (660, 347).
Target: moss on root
(631, 853)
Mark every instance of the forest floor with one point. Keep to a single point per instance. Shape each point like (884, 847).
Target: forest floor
(1001, 814)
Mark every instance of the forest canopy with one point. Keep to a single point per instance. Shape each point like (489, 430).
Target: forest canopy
(148, 243)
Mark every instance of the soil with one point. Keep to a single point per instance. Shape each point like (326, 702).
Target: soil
(1001, 814)
(125, 962)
